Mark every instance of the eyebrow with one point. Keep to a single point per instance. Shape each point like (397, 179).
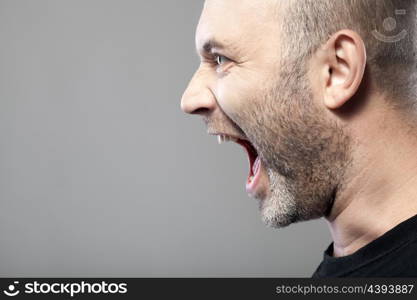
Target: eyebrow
(209, 45)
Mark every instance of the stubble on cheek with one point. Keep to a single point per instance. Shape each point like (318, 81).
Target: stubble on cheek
(311, 160)
(305, 155)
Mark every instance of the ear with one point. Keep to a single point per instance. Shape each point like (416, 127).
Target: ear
(344, 60)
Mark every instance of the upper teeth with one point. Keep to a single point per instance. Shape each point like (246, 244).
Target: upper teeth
(224, 138)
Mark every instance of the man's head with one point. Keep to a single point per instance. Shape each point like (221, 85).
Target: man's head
(283, 79)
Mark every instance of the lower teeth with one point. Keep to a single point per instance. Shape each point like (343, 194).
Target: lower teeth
(251, 178)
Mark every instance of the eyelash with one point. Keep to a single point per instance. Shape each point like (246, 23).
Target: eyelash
(216, 58)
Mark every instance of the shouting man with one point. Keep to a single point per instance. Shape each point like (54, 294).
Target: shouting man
(323, 96)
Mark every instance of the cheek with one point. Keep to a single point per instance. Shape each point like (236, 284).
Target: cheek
(235, 93)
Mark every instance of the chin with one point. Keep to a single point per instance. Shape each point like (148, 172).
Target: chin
(278, 208)
(276, 219)
(277, 213)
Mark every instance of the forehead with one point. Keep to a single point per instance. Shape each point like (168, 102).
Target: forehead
(234, 22)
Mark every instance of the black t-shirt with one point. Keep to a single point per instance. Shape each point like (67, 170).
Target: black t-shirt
(394, 254)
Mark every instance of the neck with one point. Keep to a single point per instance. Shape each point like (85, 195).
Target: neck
(380, 189)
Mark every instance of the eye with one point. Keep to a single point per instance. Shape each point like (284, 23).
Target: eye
(221, 60)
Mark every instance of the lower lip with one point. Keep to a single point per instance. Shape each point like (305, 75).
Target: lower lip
(252, 185)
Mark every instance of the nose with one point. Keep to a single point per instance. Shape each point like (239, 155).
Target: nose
(198, 97)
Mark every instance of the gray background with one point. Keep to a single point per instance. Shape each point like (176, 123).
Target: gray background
(101, 174)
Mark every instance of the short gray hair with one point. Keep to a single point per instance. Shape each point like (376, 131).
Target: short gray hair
(307, 24)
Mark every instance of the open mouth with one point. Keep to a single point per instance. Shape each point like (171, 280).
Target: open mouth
(253, 158)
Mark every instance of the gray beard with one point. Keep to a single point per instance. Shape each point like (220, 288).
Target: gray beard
(280, 209)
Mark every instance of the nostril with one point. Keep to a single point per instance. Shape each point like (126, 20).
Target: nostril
(200, 111)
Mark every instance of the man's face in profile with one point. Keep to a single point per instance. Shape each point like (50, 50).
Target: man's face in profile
(251, 89)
